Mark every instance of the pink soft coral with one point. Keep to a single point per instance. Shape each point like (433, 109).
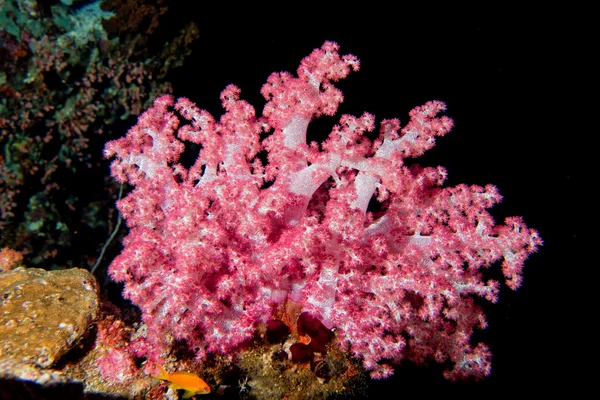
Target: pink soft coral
(213, 250)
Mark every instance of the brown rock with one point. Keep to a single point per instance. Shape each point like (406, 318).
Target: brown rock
(42, 315)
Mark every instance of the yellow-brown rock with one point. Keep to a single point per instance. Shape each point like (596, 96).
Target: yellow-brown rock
(42, 315)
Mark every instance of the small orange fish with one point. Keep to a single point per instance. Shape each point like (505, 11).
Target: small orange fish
(187, 381)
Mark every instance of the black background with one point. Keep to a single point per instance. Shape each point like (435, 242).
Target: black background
(513, 82)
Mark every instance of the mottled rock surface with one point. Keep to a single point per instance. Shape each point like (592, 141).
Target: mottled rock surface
(43, 314)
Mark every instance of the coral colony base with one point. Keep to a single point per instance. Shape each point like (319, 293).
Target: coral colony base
(214, 250)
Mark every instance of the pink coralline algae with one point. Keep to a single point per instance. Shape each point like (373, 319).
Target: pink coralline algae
(376, 249)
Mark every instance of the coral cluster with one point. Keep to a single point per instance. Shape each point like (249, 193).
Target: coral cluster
(372, 247)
